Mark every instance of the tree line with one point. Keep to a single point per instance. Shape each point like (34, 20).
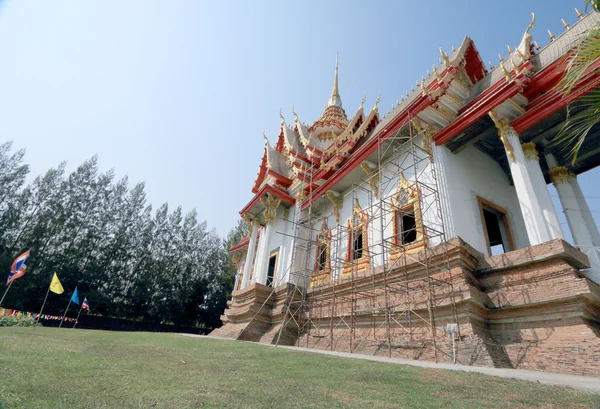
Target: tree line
(100, 234)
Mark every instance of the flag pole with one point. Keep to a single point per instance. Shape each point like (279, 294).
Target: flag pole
(7, 288)
(65, 314)
(77, 319)
(40, 314)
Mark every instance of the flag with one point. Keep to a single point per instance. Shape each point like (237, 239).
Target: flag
(56, 286)
(85, 305)
(17, 270)
(75, 297)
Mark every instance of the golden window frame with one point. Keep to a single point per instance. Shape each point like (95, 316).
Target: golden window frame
(399, 204)
(358, 221)
(322, 276)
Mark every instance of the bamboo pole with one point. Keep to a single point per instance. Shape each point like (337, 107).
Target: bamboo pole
(65, 314)
(44, 303)
(79, 313)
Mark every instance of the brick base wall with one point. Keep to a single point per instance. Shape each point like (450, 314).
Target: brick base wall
(529, 309)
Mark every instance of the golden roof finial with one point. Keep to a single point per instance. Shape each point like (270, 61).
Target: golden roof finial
(515, 67)
(363, 100)
(435, 71)
(423, 87)
(509, 50)
(295, 114)
(506, 73)
(266, 139)
(578, 13)
(537, 46)
(453, 49)
(491, 65)
(501, 59)
(521, 56)
(407, 94)
(428, 73)
(281, 116)
(378, 99)
(552, 38)
(565, 24)
(445, 58)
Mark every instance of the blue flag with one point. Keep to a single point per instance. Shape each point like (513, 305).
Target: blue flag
(75, 297)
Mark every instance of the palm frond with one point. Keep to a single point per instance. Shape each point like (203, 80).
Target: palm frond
(577, 126)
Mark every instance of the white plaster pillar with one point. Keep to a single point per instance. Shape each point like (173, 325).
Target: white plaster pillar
(531, 208)
(532, 164)
(581, 232)
(253, 226)
(262, 255)
(587, 215)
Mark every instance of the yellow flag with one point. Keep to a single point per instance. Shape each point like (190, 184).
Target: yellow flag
(56, 286)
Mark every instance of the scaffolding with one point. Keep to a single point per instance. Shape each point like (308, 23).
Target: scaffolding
(384, 303)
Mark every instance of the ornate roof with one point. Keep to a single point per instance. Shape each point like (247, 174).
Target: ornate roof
(333, 115)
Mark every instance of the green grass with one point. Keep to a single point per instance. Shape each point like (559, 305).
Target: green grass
(61, 368)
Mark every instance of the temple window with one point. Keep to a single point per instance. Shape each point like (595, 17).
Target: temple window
(407, 226)
(322, 269)
(272, 269)
(496, 228)
(357, 245)
(321, 256)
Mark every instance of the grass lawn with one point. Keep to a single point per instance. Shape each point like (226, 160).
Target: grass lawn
(61, 368)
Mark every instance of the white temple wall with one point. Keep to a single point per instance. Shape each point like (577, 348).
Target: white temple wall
(464, 177)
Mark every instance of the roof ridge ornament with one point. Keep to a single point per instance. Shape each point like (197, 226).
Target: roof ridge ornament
(295, 115)
(362, 103)
(281, 116)
(525, 45)
(377, 101)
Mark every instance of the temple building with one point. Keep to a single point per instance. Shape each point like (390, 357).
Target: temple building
(429, 232)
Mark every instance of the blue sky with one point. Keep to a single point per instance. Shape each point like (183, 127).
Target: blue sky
(177, 93)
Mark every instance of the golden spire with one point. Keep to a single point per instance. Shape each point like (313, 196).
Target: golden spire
(281, 116)
(363, 100)
(491, 65)
(266, 139)
(552, 38)
(445, 58)
(453, 49)
(578, 13)
(335, 99)
(537, 46)
(565, 24)
(509, 50)
(501, 59)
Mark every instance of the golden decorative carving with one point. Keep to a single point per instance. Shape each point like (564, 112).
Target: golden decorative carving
(301, 195)
(444, 112)
(271, 204)
(530, 151)
(559, 174)
(373, 179)
(515, 67)
(337, 201)
(426, 132)
(249, 223)
(503, 130)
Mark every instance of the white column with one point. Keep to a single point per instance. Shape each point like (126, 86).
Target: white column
(250, 254)
(580, 230)
(532, 163)
(262, 255)
(532, 210)
(587, 215)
